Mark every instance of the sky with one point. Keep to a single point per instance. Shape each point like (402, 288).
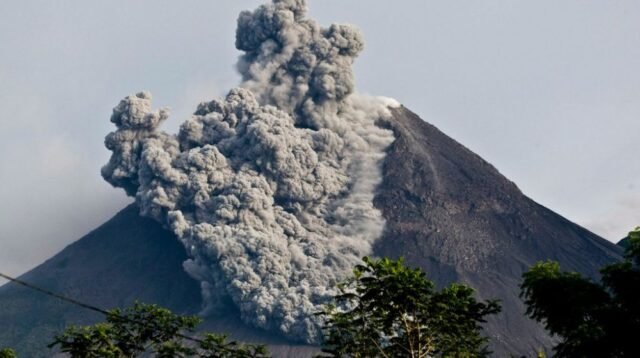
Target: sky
(546, 91)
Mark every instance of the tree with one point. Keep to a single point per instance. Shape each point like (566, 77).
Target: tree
(389, 310)
(149, 330)
(593, 319)
(7, 353)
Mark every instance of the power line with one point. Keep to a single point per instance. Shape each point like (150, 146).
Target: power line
(91, 307)
(53, 294)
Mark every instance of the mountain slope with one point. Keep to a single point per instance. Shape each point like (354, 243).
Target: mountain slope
(453, 214)
(114, 265)
(447, 210)
(126, 259)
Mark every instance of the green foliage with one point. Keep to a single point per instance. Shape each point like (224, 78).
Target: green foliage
(633, 246)
(216, 346)
(389, 310)
(7, 353)
(149, 330)
(593, 319)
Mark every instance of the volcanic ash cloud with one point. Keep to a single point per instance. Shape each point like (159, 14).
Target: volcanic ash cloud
(271, 188)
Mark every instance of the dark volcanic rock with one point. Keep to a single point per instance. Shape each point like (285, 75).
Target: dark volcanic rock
(448, 212)
(125, 259)
(453, 214)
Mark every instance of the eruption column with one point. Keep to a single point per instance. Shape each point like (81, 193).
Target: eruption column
(271, 188)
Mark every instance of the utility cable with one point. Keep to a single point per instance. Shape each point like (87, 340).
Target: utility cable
(89, 307)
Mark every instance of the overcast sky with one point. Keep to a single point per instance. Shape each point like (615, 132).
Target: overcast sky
(547, 91)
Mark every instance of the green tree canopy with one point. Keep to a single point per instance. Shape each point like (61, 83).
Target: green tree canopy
(150, 331)
(389, 310)
(593, 319)
(7, 353)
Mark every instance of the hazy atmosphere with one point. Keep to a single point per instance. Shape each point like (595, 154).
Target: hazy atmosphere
(546, 92)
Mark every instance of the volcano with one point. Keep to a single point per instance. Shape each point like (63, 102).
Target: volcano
(265, 199)
(447, 211)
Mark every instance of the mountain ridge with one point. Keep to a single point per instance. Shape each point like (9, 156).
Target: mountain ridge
(475, 226)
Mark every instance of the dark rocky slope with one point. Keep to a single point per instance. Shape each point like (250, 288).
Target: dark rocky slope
(453, 214)
(447, 210)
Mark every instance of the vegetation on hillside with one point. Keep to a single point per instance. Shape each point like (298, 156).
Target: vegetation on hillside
(390, 310)
(7, 353)
(149, 330)
(593, 319)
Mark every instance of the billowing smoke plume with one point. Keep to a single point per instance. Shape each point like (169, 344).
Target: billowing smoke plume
(270, 189)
